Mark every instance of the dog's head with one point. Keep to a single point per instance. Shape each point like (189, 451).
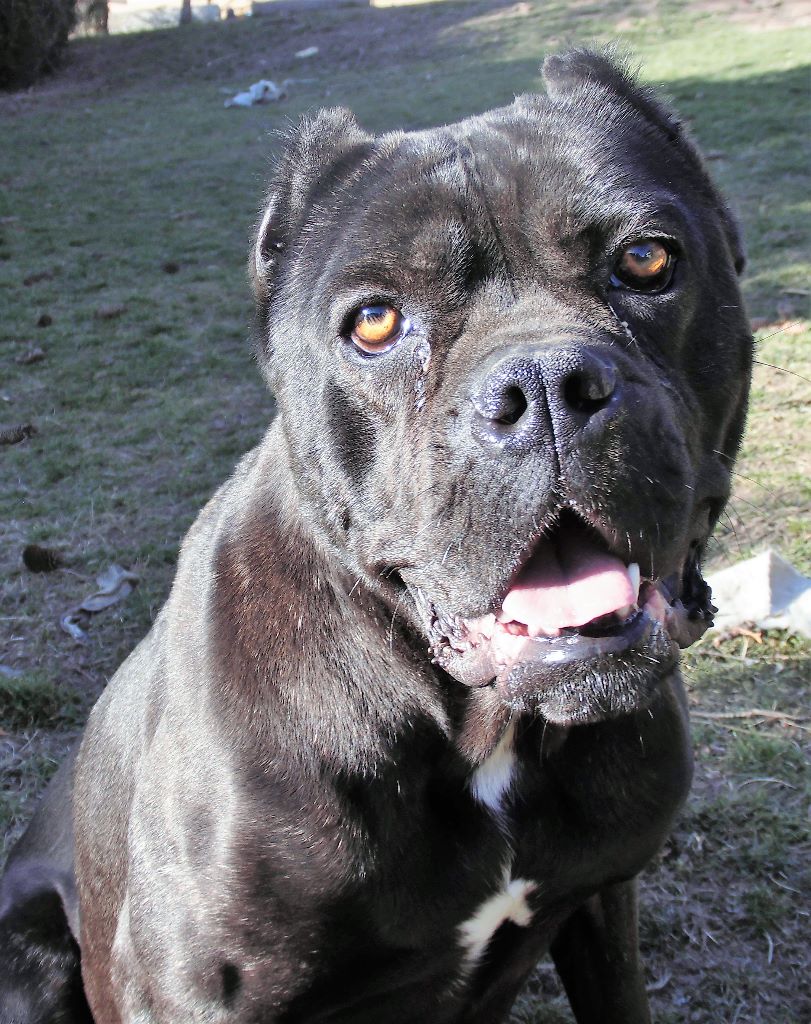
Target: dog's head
(511, 362)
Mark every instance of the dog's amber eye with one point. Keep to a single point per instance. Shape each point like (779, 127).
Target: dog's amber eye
(645, 265)
(378, 328)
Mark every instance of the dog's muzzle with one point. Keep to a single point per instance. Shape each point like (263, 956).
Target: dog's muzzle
(579, 635)
(576, 631)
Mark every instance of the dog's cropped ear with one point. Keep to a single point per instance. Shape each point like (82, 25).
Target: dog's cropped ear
(315, 158)
(567, 74)
(564, 73)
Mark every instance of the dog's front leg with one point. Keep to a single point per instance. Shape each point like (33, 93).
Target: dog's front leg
(596, 954)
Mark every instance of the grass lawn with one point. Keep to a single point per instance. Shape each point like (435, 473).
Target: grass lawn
(127, 193)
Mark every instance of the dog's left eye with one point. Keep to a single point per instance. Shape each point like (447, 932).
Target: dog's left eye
(378, 328)
(643, 266)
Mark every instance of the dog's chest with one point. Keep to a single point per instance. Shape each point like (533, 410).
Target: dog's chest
(491, 786)
(492, 781)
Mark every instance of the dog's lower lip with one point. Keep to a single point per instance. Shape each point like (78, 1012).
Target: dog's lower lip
(506, 645)
(578, 645)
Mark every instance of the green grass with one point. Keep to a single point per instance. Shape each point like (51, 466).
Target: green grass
(35, 701)
(127, 162)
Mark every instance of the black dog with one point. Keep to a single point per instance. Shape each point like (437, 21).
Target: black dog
(411, 716)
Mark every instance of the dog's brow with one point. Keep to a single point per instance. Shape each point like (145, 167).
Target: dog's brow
(467, 161)
(632, 212)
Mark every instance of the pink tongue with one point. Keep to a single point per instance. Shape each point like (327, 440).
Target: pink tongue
(567, 582)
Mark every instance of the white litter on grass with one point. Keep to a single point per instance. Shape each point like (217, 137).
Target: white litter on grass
(114, 584)
(309, 51)
(263, 91)
(209, 14)
(765, 591)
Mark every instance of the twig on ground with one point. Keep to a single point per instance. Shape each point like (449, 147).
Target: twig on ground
(783, 885)
(776, 782)
(659, 984)
(752, 713)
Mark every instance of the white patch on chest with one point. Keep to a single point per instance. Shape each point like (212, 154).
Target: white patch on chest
(508, 904)
(491, 781)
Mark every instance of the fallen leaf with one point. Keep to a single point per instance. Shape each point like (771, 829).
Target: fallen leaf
(42, 275)
(114, 585)
(39, 559)
(13, 435)
(31, 355)
(70, 624)
(110, 312)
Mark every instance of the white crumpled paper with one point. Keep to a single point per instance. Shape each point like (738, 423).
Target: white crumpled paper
(765, 591)
(263, 91)
(114, 585)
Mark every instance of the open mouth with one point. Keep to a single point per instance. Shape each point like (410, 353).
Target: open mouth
(574, 599)
(576, 610)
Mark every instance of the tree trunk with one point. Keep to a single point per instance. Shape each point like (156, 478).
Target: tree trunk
(185, 12)
(101, 13)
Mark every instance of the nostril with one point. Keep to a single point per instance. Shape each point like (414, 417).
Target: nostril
(502, 404)
(511, 407)
(588, 391)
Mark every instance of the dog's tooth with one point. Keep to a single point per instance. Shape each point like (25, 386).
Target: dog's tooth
(486, 624)
(537, 633)
(635, 576)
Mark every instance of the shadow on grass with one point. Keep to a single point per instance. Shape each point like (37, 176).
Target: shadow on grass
(368, 39)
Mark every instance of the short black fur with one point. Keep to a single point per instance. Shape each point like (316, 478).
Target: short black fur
(314, 792)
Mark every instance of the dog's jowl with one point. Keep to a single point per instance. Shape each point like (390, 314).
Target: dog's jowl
(411, 718)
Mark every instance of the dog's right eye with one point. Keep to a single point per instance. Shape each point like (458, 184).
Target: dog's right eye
(644, 266)
(376, 329)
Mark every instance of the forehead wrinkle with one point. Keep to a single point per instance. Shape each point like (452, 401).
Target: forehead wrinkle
(616, 161)
(595, 182)
(388, 249)
(437, 254)
(489, 236)
(600, 158)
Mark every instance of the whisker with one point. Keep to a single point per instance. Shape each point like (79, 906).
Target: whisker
(782, 330)
(751, 504)
(783, 369)
(757, 483)
(393, 617)
(730, 527)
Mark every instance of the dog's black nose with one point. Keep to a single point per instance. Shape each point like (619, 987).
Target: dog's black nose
(524, 394)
